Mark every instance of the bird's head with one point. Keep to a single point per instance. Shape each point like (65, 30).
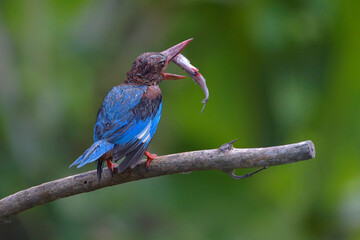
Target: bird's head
(149, 68)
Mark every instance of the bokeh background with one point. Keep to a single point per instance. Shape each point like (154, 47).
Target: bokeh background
(278, 72)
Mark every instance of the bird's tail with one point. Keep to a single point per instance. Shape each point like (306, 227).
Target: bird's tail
(93, 153)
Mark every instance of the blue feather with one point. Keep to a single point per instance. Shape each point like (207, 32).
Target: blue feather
(96, 150)
(115, 112)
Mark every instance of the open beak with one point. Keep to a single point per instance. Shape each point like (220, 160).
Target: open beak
(170, 54)
(174, 54)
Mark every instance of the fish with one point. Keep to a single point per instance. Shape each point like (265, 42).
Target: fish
(194, 73)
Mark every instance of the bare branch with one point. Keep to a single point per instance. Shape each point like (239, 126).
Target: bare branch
(224, 158)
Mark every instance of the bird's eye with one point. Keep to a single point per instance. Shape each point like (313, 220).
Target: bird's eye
(162, 62)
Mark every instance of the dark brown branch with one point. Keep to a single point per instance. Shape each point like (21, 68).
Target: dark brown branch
(224, 158)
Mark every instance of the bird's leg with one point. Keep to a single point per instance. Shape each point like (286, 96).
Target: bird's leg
(111, 165)
(108, 158)
(150, 157)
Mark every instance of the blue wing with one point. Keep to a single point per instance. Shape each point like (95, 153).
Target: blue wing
(139, 143)
(115, 117)
(126, 122)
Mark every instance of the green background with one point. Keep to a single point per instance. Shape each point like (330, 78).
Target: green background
(278, 72)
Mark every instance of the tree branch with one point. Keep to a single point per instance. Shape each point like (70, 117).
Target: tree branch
(226, 158)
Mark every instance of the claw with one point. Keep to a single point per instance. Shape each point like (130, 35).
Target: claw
(111, 166)
(150, 157)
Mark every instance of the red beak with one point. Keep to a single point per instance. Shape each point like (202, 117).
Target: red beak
(170, 54)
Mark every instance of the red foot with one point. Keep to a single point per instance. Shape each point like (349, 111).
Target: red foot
(111, 165)
(150, 157)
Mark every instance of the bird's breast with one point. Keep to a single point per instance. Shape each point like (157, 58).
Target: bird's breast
(149, 104)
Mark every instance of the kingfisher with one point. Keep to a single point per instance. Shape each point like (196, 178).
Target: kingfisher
(130, 113)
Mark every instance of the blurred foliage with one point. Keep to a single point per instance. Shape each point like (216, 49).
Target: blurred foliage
(278, 72)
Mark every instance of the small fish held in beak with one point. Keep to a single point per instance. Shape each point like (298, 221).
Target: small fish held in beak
(194, 73)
